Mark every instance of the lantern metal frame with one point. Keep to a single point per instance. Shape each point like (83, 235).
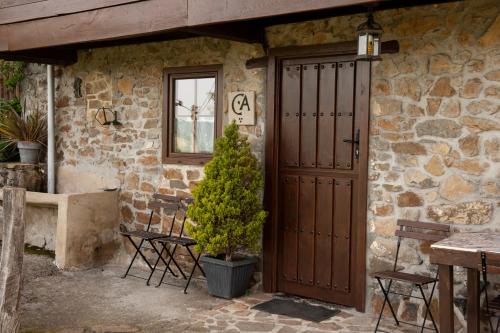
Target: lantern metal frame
(369, 36)
(107, 122)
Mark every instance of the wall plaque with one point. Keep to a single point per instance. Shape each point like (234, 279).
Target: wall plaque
(242, 107)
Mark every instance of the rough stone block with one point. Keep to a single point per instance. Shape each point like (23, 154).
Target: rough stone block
(474, 212)
(442, 128)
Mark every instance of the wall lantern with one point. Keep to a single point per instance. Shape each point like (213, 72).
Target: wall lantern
(102, 118)
(369, 43)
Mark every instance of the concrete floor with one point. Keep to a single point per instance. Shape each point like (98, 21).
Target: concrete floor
(100, 301)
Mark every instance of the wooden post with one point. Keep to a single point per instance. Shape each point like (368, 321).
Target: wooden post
(446, 314)
(473, 301)
(11, 261)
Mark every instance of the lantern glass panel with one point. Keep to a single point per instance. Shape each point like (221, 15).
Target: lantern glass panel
(376, 46)
(362, 44)
(369, 50)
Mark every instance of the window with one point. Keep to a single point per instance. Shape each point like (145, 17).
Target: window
(192, 113)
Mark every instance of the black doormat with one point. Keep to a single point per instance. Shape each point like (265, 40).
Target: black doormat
(300, 309)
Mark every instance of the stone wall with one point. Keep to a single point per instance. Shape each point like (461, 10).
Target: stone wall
(434, 129)
(434, 134)
(129, 79)
(28, 176)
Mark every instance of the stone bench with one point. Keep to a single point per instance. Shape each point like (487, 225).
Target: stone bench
(82, 228)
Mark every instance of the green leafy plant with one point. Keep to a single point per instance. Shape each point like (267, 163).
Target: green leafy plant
(24, 126)
(12, 73)
(15, 103)
(227, 210)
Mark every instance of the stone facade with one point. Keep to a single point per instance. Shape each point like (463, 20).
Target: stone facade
(434, 133)
(434, 128)
(28, 176)
(130, 79)
(435, 112)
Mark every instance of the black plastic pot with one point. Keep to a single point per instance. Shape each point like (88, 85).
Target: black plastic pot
(228, 279)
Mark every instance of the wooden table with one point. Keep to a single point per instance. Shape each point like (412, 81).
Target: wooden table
(461, 249)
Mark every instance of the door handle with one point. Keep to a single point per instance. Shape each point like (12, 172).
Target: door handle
(356, 143)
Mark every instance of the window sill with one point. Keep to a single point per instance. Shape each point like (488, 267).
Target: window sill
(187, 159)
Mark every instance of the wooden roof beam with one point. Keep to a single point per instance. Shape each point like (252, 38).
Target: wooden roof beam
(238, 32)
(121, 22)
(218, 11)
(391, 46)
(67, 22)
(131, 20)
(33, 10)
(51, 56)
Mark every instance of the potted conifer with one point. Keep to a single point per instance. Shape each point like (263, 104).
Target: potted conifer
(228, 215)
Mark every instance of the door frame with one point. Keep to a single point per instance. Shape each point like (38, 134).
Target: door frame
(362, 105)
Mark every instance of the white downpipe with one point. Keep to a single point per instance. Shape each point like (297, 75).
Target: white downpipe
(51, 147)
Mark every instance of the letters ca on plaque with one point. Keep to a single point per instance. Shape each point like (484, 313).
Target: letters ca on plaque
(242, 107)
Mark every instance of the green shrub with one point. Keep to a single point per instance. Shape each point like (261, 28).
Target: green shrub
(227, 210)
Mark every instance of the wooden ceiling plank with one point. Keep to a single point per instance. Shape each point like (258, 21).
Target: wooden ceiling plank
(13, 3)
(135, 19)
(216, 11)
(4, 43)
(49, 8)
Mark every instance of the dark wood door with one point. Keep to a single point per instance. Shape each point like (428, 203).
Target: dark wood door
(319, 172)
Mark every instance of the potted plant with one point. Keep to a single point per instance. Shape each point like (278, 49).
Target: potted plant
(27, 130)
(227, 215)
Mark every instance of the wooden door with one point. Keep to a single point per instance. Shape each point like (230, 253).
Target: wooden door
(319, 175)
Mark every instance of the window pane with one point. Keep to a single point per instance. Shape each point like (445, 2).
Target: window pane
(205, 135)
(194, 115)
(183, 138)
(206, 90)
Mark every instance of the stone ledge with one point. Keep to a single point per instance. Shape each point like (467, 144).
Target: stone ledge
(84, 227)
(19, 165)
(41, 199)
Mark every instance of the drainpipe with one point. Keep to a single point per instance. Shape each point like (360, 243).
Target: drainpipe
(51, 179)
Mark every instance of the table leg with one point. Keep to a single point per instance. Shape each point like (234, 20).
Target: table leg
(473, 307)
(446, 323)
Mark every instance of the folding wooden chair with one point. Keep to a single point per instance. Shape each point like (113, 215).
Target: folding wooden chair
(179, 240)
(431, 232)
(490, 263)
(147, 237)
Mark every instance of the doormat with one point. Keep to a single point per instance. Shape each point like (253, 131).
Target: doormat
(300, 310)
